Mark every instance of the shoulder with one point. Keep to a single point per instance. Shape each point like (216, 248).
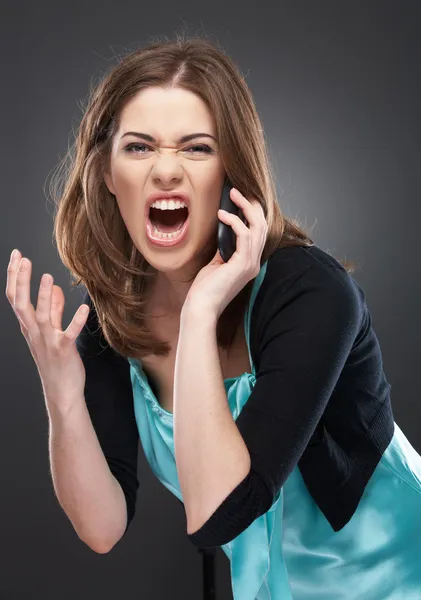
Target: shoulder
(306, 268)
(307, 307)
(306, 286)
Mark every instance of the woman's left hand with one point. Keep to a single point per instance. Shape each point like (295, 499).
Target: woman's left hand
(219, 282)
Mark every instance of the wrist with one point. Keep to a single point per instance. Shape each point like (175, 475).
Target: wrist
(60, 407)
(198, 316)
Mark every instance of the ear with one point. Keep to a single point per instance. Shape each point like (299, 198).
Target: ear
(108, 182)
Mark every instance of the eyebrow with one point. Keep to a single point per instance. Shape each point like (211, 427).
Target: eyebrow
(184, 138)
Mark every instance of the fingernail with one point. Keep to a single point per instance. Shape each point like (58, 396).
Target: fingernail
(46, 280)
(14, 255)
(24, 264)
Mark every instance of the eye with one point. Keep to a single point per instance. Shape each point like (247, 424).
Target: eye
(130, 148)
(202, 148)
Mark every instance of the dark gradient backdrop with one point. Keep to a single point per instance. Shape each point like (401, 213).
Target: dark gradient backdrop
(337, 85)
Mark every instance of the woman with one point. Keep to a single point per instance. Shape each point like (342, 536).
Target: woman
(255, 385)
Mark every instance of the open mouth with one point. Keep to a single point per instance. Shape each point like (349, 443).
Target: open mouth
(168, 221)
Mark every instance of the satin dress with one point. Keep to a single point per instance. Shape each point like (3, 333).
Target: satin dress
(291, 552)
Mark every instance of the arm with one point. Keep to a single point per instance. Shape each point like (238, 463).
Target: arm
(306, 327)
(211, 455)
(94, 450)
(86, 490)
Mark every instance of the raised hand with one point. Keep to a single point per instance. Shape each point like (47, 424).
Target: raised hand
(54, 350)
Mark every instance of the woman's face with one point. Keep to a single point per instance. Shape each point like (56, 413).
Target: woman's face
(140, 167)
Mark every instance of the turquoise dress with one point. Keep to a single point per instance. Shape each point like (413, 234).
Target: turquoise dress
(291, 552)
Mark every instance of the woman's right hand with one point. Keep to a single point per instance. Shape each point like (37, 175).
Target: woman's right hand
(59, 365)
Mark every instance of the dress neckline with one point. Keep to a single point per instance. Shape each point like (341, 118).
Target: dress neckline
(154, 399)
(157, 407)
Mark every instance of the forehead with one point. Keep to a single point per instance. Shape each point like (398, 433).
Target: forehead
(166, 112)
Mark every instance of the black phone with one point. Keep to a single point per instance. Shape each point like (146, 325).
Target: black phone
(227, 240)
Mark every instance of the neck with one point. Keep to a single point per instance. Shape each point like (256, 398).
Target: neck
(169, 289)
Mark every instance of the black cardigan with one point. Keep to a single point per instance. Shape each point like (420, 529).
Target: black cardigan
(321, 399)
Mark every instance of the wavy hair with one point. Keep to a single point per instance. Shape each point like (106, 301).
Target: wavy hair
(91, 236)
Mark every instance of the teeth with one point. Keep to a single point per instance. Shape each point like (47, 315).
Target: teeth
(168, 204)
(166, 236)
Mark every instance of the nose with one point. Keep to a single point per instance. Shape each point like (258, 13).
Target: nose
(167, 168)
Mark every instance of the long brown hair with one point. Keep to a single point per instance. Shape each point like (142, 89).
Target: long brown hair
(92, 240)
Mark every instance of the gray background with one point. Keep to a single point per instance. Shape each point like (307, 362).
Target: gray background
(337, 85)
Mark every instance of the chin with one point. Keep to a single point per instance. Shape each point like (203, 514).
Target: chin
(186, 260)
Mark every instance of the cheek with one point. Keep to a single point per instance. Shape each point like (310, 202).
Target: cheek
(129, 216)
(129, 200)
(127, 179)
(210, 192)
(204, 222)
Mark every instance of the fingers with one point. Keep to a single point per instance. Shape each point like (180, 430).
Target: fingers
(43, 311)
(77, 323)
(18, 292)
(252, 209)
(57, 307)
(254, 213)
(243, 233)
(250, 240)
(21, 296)
(11, 278)
(12, 272)
(46, 321)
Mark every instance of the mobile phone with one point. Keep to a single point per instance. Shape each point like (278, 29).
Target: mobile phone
(227, 240)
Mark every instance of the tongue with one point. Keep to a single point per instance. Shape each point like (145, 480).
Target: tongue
(168, 220)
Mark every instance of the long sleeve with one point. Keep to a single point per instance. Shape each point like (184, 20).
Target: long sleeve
(304, 331)
(109, 399)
